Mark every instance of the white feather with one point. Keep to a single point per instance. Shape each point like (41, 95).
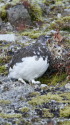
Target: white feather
(29, 68)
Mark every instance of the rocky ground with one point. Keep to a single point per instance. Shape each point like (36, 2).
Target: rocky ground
(49, 102)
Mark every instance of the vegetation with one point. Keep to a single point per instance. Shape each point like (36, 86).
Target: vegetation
(62, 23)
(24, 109)
(3, 70)
(5, 102)
(64, 123)
(46, 113)
(53, 79)
(7, 116)
(39, 100)
(65, 112)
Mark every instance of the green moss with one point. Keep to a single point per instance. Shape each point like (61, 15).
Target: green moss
(24, 109)
(39, 100)
(22, 99)
(58, 78)
(21, 121)
(7, 116)
(4, 60)
(35, 11)
(33, 33)
(53, 79)
(66, 95)
(1, 0)
(3, 70)
(62, 23)
(64, 123)
(33, 94)
(48, 2)
(46, 113)
(14, 2)
(65, 112)
(3, 13)
(5, 102)
(6, 123)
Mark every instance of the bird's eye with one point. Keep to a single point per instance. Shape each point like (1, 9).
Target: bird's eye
(54, 46)
(58, 50)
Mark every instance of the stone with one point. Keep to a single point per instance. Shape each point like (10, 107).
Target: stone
(0, 22)
(67, 86)
(18, 16)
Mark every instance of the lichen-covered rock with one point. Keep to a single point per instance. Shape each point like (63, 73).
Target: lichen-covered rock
(18, 16)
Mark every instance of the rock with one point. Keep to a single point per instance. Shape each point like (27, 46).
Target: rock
(6, 27)
(67, 86)
(0, 22)
(8, 37)
(44, 85)
(19, 17)
(66, 12)
(50, 122)
(0, 109)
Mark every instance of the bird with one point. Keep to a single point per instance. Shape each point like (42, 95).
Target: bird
(30, 62)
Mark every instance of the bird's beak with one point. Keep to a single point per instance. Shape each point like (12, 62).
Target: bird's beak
(47, 37)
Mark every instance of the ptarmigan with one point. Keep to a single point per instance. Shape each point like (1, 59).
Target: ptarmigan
(30, 62)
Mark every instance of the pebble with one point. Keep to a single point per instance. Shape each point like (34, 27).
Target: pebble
(67, 86)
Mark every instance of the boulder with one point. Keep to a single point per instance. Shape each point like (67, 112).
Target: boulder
(19, 17)
(0, 22)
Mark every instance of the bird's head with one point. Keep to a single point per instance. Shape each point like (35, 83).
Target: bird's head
(43, 39)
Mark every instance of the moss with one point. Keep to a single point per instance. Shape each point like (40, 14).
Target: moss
(7, 116)
(21, 98)
(6, 123)
(39, 100)
(3, 70)
(48, 2)
(64, 123)
(66, 95)
(24, 109)
(5, 102)
(21, 121)
(54, 97)
(59, 3)
(28, 123)
(62, 23)
(33, 94)
(46, 113)
(1, 0)
(53, 79)
(35, 11)
(14, 2)
(33, 33)
(3, 13)
(58, 78)
(4, 60)
(65, 112)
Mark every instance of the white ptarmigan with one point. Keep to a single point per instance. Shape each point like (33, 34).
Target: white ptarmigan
(30, 62)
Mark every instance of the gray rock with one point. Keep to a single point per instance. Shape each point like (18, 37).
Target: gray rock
(0, 21)
(67, 86)
(19, 16)
(66, 12)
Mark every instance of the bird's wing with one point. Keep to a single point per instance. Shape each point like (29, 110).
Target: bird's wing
(22, 53)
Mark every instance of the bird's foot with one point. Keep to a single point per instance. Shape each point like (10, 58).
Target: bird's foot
(35, 82)
(22, 81)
